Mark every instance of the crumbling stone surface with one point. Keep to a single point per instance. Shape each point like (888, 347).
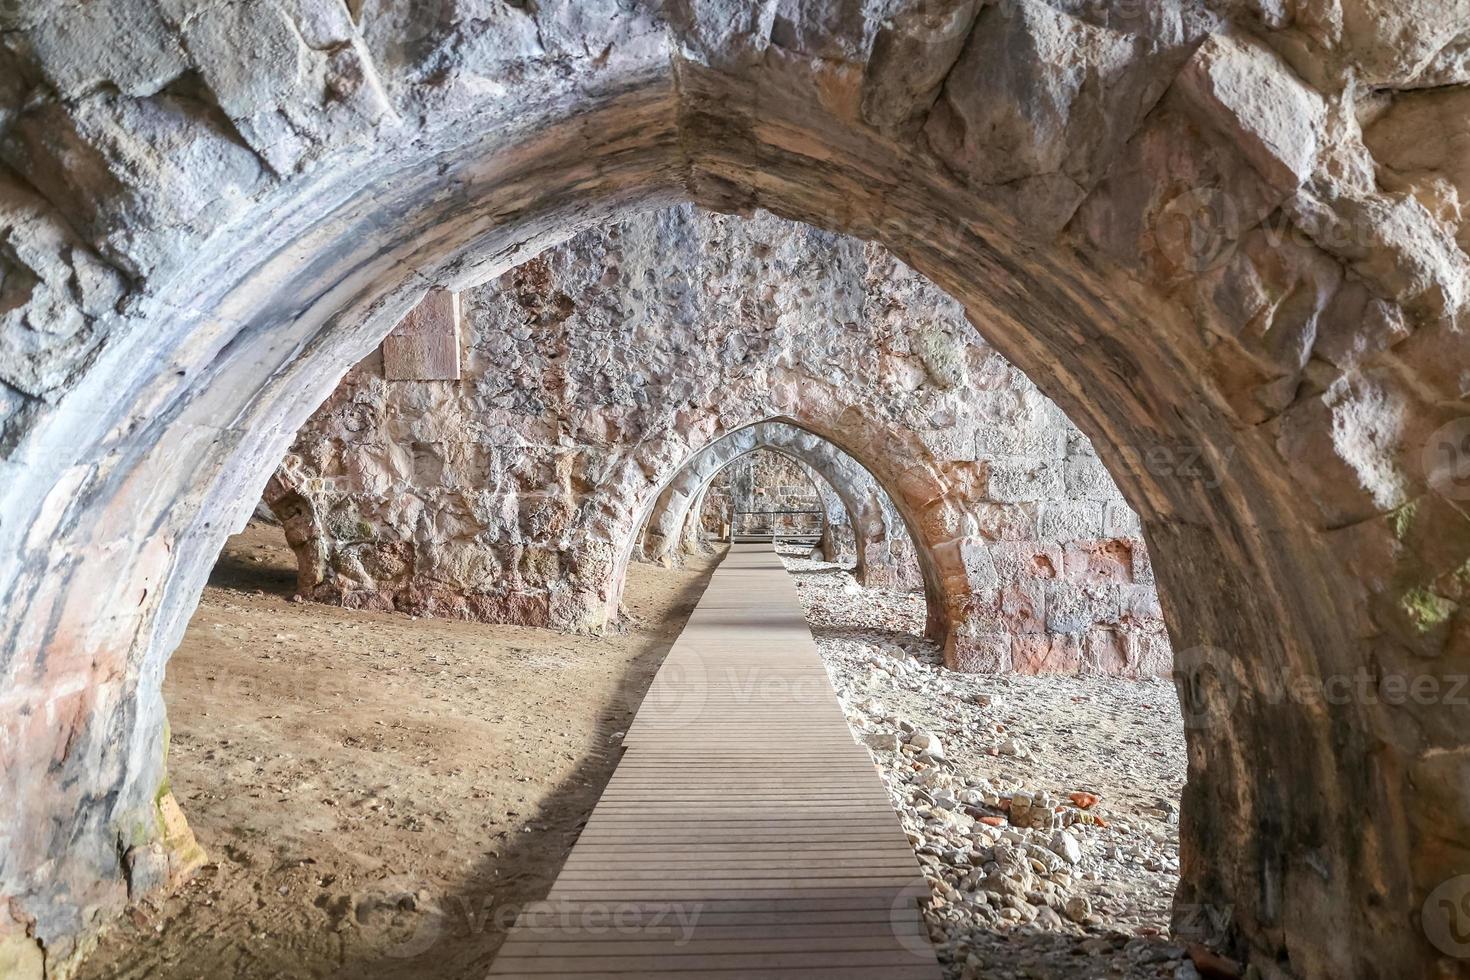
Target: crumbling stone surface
(1261, 333)
(597, 373)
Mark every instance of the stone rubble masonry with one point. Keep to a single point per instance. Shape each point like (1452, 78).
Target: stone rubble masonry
(1226, 238)
(594, 372)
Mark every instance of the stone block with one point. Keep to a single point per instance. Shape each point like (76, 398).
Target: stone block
(912, 54)
(1025, 481)
(1070, 520)
(425, 346)
(1247, 93)
(1120, 521)
(1040, 101)
(1006, 522)
(979, 653)
(1150, 654)
(1107, 652)
(1086, 478)
(1140, 604)
(1099, 562)
(122, 43)
(1020, 561)
(1045, 653)
(1072, 608)
(1023, 607)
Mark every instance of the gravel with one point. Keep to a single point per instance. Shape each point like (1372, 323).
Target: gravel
(1043, 810)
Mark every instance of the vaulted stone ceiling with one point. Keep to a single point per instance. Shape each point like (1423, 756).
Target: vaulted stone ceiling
(604, 372)
(1227, 233)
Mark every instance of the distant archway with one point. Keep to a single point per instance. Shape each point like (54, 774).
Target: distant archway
(870, 511)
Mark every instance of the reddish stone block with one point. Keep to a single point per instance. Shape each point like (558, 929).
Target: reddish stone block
(1045, 653)
(1022, 610)
(986, 653)
(425, 344)
(1105, 562)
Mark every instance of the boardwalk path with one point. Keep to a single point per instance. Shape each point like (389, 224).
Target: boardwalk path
(744, 833)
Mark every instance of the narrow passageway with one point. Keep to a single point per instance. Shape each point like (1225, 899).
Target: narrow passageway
(744, 830)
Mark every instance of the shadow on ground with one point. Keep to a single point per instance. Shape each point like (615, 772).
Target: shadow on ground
(258, 569)
(457, 934)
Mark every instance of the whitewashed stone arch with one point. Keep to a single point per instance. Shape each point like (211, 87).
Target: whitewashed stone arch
(870, 512)
(1263, 340)
(836, 532)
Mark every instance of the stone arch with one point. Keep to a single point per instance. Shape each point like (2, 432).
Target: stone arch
(1285, 456)
(744, 475)
(837, 541)
(691, 537)
(870, 511)
(943, 567)
(683, 511)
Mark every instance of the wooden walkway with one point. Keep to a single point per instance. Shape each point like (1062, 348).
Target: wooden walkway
(744, 833)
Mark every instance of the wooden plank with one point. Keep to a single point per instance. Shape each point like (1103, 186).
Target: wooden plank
(744, 833)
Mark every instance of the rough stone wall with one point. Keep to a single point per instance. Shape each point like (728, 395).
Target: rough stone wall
(1200, 226)
(593, 370)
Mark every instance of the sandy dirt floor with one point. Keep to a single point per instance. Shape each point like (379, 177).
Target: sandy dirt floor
(378, 795)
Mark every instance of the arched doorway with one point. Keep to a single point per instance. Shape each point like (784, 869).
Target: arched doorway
(1301, 516)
